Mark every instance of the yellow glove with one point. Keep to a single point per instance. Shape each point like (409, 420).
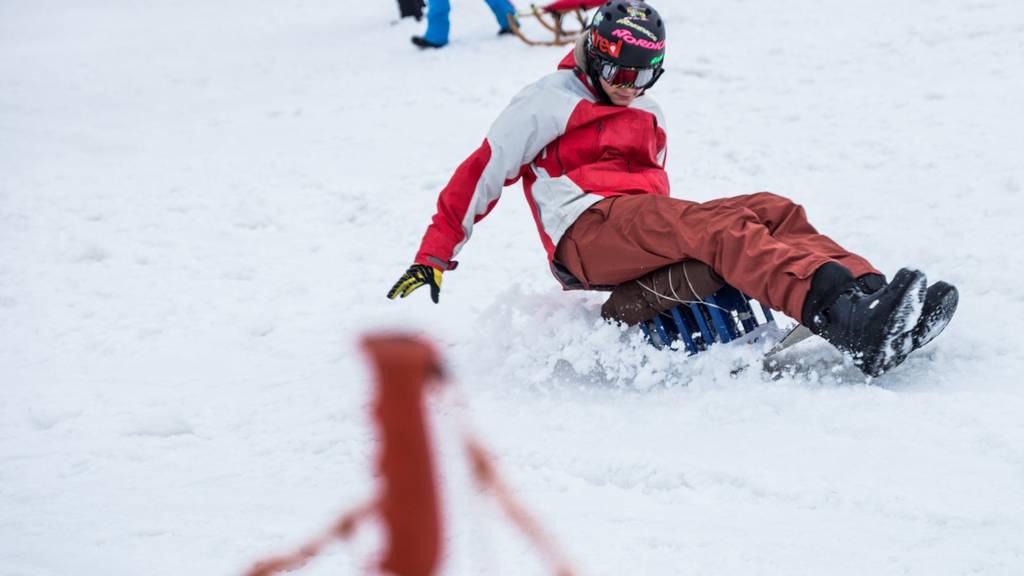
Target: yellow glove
(417, 275)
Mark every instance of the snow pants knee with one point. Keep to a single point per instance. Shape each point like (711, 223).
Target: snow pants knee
(762, 244)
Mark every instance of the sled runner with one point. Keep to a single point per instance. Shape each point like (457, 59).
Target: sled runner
(553, 18)
(724, 317)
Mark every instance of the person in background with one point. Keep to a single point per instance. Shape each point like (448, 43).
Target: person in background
(436, 35)
(589, 145)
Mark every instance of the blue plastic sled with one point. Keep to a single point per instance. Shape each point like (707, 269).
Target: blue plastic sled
(726, 316)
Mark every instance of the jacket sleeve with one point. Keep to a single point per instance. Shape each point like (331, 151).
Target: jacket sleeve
(529, 123)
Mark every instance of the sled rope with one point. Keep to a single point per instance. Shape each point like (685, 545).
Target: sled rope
(485, 472)
(406, 369)
(408, 372)
(341, 530)
(688, 283)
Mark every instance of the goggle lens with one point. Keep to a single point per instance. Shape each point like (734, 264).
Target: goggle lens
(621, 76)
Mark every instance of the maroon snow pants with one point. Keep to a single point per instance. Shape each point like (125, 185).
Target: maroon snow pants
(759, 243)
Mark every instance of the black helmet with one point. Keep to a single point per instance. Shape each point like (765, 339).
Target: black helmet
(625, 44)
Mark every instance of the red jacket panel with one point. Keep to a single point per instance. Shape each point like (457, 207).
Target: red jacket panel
(571, 151)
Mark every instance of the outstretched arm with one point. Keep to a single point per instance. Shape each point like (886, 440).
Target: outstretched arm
(534, 118)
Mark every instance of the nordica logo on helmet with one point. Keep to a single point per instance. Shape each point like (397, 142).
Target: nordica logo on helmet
(627, 36)
(605, 45)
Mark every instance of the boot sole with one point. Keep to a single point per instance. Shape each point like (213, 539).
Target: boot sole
(932, 324)
(898, 341)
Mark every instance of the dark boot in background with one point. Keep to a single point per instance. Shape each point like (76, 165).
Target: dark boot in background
(424, 43)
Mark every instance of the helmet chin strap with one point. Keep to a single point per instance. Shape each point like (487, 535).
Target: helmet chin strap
(602, 95)
(592, 74)
(584, 66)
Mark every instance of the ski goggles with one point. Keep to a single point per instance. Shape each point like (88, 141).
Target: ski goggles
(626, 77)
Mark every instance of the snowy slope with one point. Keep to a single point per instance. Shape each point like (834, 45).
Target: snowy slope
(202, 205)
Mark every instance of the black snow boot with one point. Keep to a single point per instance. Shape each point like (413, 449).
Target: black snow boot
(940, 303)
(871, 283)
(873, 327)
(939, 306)
(424, 43)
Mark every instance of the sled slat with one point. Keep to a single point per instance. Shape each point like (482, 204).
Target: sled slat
(705, 330)
(659, 328)
(726, 333)
(685, 331)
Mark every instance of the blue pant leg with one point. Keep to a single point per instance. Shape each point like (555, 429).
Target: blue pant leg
(437, 21)
(501, 9)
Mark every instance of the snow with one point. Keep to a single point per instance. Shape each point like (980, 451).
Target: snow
(202, 206)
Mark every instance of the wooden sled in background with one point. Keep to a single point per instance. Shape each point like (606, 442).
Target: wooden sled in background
(553, 17)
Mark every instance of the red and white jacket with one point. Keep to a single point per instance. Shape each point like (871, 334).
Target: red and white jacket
(570, 150)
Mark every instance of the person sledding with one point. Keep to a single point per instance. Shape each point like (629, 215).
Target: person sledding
(589, 145)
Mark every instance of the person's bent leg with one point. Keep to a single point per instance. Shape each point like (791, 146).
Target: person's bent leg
(787, 221)
(740, 247)
(623, 238)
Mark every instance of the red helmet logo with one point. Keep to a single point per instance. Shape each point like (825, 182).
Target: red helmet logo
(602, 44)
